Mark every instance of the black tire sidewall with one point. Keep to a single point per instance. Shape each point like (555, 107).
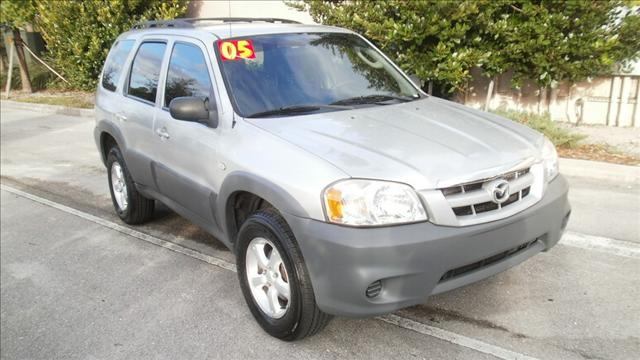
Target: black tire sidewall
(260, 227)
(113, 156)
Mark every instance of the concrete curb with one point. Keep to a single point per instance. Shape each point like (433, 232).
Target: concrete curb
(588, 169)
(596, 170)
(49, 109)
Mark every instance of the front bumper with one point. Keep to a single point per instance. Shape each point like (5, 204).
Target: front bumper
(411, 260)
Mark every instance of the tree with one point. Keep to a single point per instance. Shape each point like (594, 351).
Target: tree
(431, 39)
(546, 41)
(79, 34)
(17, 14)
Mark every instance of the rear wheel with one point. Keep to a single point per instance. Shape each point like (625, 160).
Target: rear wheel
(274, 279)
(130, 205)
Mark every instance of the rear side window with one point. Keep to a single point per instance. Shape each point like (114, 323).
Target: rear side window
(145, 71)
(188, 74)
(114, 64)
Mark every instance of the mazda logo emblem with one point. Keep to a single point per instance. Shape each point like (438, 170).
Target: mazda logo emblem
(500, 191)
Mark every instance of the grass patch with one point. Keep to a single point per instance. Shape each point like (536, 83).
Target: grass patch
(76, 101)
(561, 137)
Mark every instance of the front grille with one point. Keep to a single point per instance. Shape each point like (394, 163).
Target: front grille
(462, 270)
(476, 198)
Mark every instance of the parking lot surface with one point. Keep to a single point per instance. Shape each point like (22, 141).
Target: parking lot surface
(77, 283)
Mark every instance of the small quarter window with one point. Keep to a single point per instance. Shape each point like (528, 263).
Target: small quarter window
(145, 71)
(114, 64)
(188, 74)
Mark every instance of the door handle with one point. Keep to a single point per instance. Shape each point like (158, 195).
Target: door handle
(121, 117)
(162, 132)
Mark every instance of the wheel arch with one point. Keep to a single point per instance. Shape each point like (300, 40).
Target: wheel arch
(107, 133)
(254, 193)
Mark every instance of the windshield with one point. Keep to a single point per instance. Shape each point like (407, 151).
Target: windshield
(314, 71)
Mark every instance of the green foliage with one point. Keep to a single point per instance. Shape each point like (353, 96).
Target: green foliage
(572, 40)
(17, 13)
(560, 136)
(547, 41)
(79, 34)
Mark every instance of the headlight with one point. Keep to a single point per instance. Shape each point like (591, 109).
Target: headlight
(550, 159)
(358, 202)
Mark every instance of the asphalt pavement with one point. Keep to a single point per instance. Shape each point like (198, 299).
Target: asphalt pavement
(76, 283)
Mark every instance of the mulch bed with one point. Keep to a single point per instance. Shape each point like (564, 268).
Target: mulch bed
(599, 152)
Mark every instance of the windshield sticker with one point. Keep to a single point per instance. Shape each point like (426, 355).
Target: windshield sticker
(236, 49)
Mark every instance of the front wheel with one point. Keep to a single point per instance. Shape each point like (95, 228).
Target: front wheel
(274, 279)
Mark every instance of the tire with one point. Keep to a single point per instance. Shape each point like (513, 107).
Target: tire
(138, 208)
(302, 316)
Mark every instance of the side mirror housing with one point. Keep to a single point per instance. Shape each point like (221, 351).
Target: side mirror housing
(193, 108)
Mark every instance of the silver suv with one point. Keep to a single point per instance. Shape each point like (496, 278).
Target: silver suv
(341, 187)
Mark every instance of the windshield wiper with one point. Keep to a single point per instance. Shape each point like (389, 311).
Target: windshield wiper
(371, 99)
(294, 109)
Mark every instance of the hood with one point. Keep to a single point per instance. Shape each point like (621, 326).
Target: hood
(427, 143)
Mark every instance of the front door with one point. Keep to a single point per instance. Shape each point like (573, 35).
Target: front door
(186, 151)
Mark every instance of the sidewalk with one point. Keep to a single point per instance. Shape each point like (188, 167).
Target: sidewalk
(594, 170)
(625, 174)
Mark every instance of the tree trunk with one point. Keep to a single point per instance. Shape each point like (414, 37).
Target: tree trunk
(24, 71)
(489, 94)
(553, 99)
(542, 100)
(466, 93)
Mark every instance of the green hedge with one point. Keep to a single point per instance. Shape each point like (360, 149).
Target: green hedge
(79, 34)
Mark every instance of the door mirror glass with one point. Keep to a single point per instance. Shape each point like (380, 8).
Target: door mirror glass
(190, 108)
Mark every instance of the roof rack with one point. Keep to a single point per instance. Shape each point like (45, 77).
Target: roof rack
(190, 22)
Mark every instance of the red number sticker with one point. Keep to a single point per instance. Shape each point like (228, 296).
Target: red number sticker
(236, 49)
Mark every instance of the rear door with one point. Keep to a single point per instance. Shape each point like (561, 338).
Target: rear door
(186, 170)
(139, 108)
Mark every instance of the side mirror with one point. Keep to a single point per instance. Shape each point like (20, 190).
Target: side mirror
(416, 80)
(193, 108)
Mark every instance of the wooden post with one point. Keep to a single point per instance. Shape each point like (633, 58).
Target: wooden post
(24, 71)
(9, 70)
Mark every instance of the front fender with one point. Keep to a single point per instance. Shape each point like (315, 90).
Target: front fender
(240, 181)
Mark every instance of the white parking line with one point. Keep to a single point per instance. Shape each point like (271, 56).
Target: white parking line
(454, 338)
(601, 244)
(125, 230)
(616, 247)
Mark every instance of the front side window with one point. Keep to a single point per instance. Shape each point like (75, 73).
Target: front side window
(322, 71)
(188, 74)
(145, 71)
(114, 64)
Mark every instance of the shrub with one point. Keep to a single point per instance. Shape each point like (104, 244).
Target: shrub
(79, 34)
(560, 136)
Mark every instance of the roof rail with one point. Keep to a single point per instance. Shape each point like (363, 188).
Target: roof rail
(190, 22)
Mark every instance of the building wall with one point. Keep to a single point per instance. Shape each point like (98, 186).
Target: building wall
(247, 8)
(608, 100)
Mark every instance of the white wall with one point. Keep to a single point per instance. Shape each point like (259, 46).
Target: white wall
(608, 100)
(246, 8)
